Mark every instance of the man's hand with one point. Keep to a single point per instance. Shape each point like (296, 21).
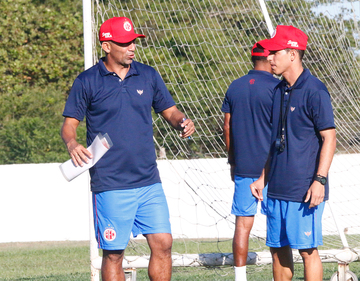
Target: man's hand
(188, 128)
(178, 121)
(316, 193)
(78, 153)
(257, 188)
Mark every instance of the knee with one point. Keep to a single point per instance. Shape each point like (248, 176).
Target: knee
(166, 244)
(309, 254)
(113, 256)
(161, 244)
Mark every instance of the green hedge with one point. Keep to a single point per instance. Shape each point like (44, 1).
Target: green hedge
(41, 53)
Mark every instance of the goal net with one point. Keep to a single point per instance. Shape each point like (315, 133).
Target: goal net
(199, 48)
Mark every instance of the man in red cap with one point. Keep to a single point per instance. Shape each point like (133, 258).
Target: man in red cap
(247, 130)
(303, 143)
(116, 96)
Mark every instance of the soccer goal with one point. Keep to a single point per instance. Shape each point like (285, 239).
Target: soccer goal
(199, 48)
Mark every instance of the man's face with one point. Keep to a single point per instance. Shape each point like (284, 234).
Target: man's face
(122, 53)
(279, 61)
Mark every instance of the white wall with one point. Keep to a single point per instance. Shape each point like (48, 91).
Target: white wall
(38, 204)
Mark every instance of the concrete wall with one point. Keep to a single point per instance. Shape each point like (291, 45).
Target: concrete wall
(38, 204)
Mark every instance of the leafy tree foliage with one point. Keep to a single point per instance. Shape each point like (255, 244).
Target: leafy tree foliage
(40, 54)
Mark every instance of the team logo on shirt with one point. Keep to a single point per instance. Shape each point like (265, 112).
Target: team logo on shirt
(292, 108)
(140, 92)
(293, 43)
(252, 81)
(109, 234)
(307, 233)
(127, 26)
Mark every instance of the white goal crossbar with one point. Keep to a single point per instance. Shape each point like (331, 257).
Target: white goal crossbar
(220, 259)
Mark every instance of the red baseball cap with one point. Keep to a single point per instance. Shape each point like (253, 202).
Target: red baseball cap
(259, 51)
(284, 37)
(118, 29)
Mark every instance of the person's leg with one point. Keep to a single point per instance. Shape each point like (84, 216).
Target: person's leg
(153, 221)
(244, 207)
(114, 213)
(283, 266)
(306, 235)
(277, 240)
(240, 245)
(111, 268)
(160, 264)
(313, 270)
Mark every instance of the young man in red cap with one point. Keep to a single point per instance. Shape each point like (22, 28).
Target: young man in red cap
(303, 143)
(116, 96)
(247, 106)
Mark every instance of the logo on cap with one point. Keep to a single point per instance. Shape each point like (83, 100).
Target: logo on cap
(293, 43)
(106, 35)
(127, 26)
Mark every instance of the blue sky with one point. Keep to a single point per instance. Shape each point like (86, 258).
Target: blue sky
(336, 8)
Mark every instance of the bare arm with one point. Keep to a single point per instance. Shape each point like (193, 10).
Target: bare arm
(175, 118)
(229, 147)
(78, 153)
(258, 185)
(316, 192)
(226, 131)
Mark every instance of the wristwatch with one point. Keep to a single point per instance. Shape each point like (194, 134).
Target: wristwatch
(321, 179)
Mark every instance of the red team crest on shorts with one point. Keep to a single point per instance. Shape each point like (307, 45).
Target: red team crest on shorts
(109, 234)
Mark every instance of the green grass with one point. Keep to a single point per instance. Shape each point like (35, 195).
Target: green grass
(62, 261)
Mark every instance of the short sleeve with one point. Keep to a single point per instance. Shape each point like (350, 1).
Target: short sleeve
(76, 103)
(162, 98)
(226, 104)
(321, 110)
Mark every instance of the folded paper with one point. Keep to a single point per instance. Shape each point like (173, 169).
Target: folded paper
(100, 145)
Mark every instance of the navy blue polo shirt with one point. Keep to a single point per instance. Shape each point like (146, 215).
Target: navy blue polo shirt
(292, 171)
(249, 101)
(121, 108)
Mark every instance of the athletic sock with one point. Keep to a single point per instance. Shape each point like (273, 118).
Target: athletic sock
(240, 273)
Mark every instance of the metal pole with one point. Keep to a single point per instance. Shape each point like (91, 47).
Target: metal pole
(267, 17)
(88, 62)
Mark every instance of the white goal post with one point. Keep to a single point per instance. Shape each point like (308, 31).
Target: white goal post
(199, 48)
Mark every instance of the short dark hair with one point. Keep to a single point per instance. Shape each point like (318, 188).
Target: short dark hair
(300, 52)
(255, 59)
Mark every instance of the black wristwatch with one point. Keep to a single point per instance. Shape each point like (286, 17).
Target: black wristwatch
(321, 179)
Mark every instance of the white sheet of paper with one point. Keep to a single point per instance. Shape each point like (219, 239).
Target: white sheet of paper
(98, 148)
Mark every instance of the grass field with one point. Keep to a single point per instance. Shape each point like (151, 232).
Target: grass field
(62, 261)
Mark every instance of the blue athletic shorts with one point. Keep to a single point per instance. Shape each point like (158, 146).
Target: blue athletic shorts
(294, 224)
(117, 213)
(244, 203)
